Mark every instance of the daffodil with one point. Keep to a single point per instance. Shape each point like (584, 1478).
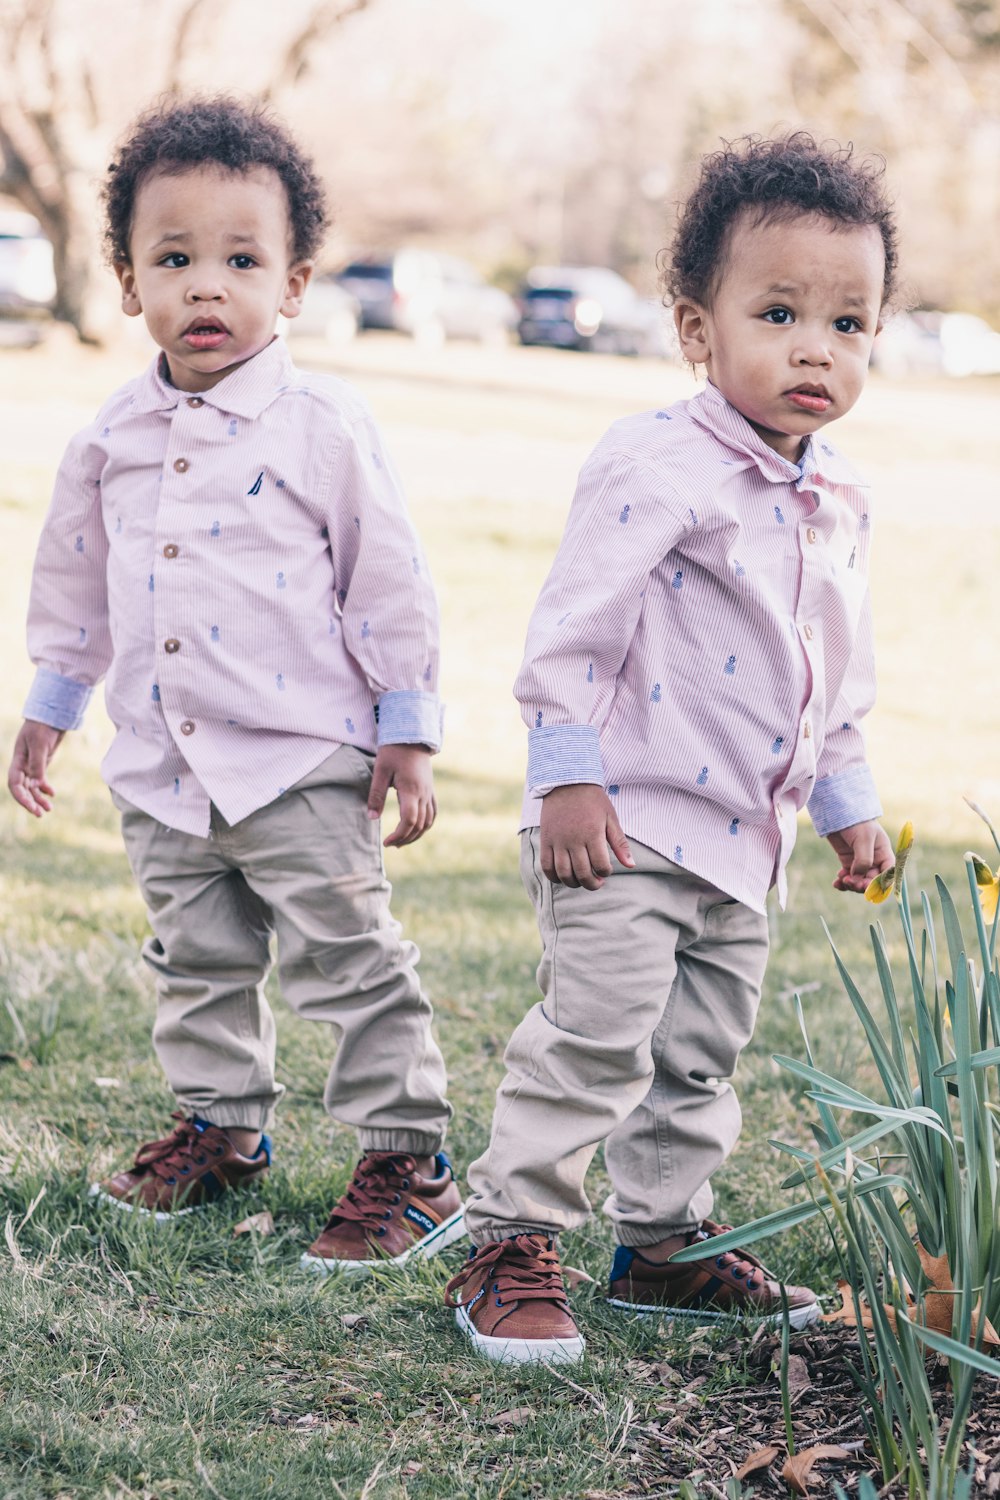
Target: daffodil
(988, 886)
(890, 882)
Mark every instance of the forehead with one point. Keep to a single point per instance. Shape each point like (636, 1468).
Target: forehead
(806, 252)
(254, 199)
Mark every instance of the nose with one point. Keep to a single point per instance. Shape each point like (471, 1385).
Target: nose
(205, 290)
(812, 348)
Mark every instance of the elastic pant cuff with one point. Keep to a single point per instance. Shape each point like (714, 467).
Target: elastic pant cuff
(412, 1142)
(244, 1114)
(640, 1237)
(487, 1234)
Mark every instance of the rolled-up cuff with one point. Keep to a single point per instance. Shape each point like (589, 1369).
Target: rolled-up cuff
(563, 755)
(58, 701)
(842, 799)
(410, 717)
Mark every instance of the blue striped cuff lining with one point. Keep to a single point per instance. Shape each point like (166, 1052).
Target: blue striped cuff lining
(410, 717)
(563, 755)
(842, 799)
(57, 701)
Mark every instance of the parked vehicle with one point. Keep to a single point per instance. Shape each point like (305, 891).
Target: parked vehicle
(430, 296)
(329, 312)
(589, 307)
(27, 279)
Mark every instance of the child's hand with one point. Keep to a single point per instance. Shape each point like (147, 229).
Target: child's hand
(408, 769)
(864, 851)
(27, 779)
(580, 832)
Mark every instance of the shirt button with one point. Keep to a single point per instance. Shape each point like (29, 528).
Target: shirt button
(195, 401)
(187, 726)
(807, 730)
(171, 550)
(807, 631)
(811, 534)
(181, 465)
(171, 646)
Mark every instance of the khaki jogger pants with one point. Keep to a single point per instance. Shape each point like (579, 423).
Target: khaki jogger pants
(651, 987)
(307, 868)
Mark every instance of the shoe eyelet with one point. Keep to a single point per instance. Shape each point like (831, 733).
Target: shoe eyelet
(720, 1262)
(380, 1231)
(396, 1198)
(220, 1151)
(405, 1184)
(387, 1214)
(498, 1302)
(200, 1161)
(752, 1286)
(496, 1287)
(185, 1171)
(171, 1181)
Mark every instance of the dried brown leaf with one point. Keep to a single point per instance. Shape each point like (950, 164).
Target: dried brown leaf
(262, 1223)
(760, 1458)
(574, 1277)
(798, 1467)
(514, 1416)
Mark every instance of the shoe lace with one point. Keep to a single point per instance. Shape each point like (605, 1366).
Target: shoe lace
(525, 1268)
(379, 1182)
(176, 1153)
(740, 1264)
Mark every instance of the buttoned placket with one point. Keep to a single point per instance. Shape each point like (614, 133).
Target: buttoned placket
(169, 531)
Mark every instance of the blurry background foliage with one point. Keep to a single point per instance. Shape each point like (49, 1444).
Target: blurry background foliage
(519, 131)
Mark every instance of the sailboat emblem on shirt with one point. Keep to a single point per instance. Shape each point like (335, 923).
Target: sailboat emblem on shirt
(255, 490)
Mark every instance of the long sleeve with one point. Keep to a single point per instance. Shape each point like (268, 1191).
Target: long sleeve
(620, 526)
(389, 608)
(844, 792)
(69, 637)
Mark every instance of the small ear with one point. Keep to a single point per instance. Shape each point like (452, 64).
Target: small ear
(131, 304)
(691, 322)
(299, 277)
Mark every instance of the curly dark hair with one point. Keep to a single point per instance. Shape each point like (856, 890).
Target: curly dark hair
(762, 181)
(176, 135)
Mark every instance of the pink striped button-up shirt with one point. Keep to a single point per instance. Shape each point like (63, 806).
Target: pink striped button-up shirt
(241, 568)
(702, 647)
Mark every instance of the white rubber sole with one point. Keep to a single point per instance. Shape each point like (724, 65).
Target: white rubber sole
(520, 1351)
(447, 1232)
(157, 1215)
(798, 1317)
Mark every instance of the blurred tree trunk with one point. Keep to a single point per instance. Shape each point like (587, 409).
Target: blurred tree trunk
(56, 132)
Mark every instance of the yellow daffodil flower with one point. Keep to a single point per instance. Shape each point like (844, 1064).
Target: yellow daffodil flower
(988, 886)
(890, 882)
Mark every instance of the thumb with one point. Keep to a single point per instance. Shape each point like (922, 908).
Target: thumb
(381, 781)
(37, 759)
(864, 852)
(619, 843)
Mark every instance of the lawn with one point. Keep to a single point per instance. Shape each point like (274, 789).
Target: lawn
(189, 1362)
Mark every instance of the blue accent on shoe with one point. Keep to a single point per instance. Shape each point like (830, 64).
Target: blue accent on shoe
(212, 1187)
(201, 1125)
(622, 1263)
(443, 1164)
(265, 1146)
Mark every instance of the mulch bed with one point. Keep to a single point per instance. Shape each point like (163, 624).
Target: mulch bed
(706, 1436)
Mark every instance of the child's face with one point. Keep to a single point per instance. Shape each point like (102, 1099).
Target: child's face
(789, 332)
(210, 270)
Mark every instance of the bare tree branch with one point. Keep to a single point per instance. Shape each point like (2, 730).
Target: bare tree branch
(295, 62)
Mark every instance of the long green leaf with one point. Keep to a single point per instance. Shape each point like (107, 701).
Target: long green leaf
(963, 1353)
(976, 1062)
(829, 1158)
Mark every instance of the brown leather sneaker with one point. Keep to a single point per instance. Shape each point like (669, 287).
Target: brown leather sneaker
(511, 1302)
(389, 1213)
(189, 1168)
(733, 1284)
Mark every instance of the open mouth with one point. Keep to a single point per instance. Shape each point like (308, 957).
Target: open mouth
(205, 333)
(814, 398)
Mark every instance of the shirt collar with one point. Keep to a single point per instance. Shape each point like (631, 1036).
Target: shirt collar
(820, 461)
(251, 387)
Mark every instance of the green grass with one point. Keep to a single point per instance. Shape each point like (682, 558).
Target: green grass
(186, 1362)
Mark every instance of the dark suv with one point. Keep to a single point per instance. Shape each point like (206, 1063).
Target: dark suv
(589, 307)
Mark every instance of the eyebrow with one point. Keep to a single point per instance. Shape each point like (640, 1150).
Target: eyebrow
(782, 289)
(178, 236)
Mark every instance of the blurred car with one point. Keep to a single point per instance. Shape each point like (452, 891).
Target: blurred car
(590, 307)
(328, 312)
(909, 344)
(969, 345)
(27, 279)
(430, 296)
